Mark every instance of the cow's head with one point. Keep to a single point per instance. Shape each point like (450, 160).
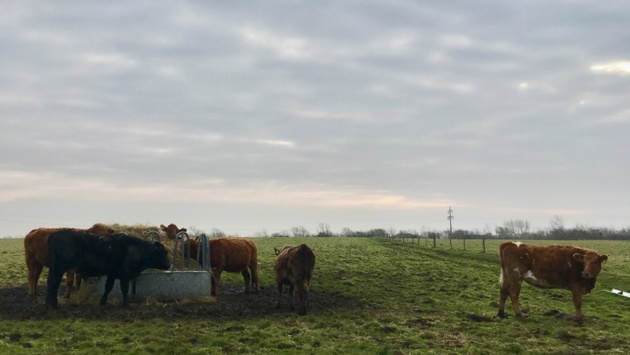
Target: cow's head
(172, 230)
(592, 263)
(160, 257)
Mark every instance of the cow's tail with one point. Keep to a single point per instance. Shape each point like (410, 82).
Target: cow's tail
(308, 262)
(502, 247)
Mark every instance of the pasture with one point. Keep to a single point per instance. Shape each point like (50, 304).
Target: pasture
(368, 296)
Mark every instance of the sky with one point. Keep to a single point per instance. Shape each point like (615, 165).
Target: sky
(257, 117)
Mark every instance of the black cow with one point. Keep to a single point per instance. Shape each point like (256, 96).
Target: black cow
(119, 256)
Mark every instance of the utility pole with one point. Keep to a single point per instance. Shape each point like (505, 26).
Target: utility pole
(450, 223)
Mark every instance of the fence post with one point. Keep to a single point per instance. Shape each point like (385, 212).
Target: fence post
(484, 244)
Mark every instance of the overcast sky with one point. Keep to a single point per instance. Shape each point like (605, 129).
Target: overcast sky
(263, 116)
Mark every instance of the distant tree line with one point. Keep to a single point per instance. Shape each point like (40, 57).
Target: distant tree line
(512, 229)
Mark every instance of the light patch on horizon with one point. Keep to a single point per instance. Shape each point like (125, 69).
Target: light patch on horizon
(550, 212)
(615, 67)
(565, 212)
(21, 185)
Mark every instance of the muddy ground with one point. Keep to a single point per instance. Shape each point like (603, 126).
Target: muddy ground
(231, 304)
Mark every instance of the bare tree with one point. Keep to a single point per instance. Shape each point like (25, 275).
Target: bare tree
(323, 230)
(217, 233)
(262, 233)
(512, 228)
(347, 232)
(300, 232)
(557, 222)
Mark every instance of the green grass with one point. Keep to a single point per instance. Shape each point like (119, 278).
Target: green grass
(382, 297)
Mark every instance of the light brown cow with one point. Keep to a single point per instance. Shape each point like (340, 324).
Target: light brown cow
(294, 267)
(572, 268)
(36, 253)
(231, 255)
(172, 230)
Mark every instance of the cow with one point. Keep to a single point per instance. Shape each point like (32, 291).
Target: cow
(172, 230)
(555, 266)
(294, 267)
(231, 255)
(118, 256)
(36, 254)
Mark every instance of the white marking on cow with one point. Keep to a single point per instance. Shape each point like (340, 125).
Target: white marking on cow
(531, 279)
(501, 278)
(517, 271)
(518, 244)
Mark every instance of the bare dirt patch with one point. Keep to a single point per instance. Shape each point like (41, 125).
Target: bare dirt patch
(232, 304)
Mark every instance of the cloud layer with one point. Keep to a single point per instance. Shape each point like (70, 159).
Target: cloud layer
(245, 117)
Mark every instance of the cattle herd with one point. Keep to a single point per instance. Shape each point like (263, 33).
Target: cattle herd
(98, 251)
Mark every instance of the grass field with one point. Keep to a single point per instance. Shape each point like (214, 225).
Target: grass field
(368, 296)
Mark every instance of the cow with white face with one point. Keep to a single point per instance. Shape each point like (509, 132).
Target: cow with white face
(572, 268)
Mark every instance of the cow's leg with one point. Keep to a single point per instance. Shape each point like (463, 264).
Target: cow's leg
(216, 278)
(292, 294)
(78, 280)
(247, 278)
(34, 271)
(303, 293)
(514, 291)
(52, 285)
(69, 283)
(255, 283)
(577, 302)
(510, 285)
(109, 285)
(504, 293)
(124, 288)
(279, 293)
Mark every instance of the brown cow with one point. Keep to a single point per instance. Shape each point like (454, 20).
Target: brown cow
(172, 230)
(294, 267)
(36, 253)
(231, 255)
(554, 266)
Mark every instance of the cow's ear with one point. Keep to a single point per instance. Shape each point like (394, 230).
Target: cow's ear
(578, 257)
(603, 258)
